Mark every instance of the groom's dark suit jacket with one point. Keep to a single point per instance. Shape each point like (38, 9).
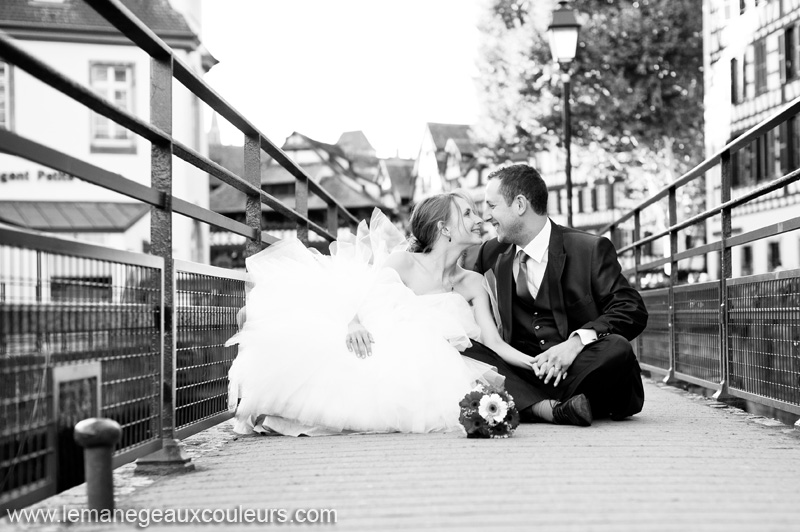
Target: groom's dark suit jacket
(585, 284)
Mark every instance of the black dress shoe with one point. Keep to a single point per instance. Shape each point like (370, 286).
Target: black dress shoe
(574, 411)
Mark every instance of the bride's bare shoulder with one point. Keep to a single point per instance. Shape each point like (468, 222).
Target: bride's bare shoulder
(473, 278)
(473, 281)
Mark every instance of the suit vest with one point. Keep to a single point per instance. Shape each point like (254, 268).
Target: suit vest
(533, 327)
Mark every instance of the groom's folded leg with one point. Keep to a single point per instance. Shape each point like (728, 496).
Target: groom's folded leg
(523, 385)
(608, 373)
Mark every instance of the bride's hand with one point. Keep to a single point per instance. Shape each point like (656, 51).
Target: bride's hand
(359, 339)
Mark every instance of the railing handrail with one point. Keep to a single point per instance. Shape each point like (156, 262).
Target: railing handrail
(19, 237)
(46, 74)
(733, 146)
(130, 26)
(762, 190)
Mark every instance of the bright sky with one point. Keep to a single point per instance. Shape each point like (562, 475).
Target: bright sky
(322, 67)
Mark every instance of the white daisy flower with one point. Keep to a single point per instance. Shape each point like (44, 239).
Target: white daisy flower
(493, 408)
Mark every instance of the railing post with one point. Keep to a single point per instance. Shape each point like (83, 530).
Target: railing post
(673, 279)
(637, 250)
(725, 271)
(171, 456)
(301, 206)
(252, 173)
(637, 262)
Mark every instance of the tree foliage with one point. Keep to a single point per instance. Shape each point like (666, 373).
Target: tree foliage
(637, 84)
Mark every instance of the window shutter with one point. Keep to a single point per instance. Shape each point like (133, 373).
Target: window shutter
(769, 155)
(783, 137)
(794, 50)
(744, 76)
(782, 56)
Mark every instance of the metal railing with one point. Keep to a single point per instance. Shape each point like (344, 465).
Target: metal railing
(738, 336)
(90, 331)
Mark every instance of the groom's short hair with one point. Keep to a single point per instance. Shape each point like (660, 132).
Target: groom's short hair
(521, 179)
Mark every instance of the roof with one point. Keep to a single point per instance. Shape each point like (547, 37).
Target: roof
(230, 157)
(401, 174)
(466, 147)
(460, 133)
(365, 166)
(355, 143)
(275, 174)
(298, 141)
(72, 216)
(75, 17)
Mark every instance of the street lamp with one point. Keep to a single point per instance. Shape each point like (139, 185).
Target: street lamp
(563, 34)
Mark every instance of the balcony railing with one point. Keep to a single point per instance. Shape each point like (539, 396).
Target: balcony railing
(90, 331)
(738, 336)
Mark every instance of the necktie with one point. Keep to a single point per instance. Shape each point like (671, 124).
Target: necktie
(522, 278)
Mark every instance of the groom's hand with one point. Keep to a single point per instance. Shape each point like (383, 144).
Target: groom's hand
(359, 340)
(553, 363)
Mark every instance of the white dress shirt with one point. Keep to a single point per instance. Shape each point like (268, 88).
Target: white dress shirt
(537, 252)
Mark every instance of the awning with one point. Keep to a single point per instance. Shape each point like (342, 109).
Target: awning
(72, 216)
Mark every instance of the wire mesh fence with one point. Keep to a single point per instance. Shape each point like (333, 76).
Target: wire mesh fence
(73, 311)
(697, 331)
(654, 341)
(207, 302)
(764, 332)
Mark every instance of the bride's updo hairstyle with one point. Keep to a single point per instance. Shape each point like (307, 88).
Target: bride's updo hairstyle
(427, 214)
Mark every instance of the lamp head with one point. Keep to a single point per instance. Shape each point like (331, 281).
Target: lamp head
(563, 33)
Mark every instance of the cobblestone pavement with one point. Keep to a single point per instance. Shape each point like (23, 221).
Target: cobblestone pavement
(685, 463)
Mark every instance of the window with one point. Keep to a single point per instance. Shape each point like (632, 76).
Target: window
(587, 199)
(789, 52)
(755, 162)
(760, 63)
(741, 174)
(65, 289)
(114, 82)
(747, 260)
(742, 6)
(647, 249)
(554, 202)
(774, 256)
(735, 95)
(6, 97)
(789, 141)
(602, 198)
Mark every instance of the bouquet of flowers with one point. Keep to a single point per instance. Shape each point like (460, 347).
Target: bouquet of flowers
(488, 412)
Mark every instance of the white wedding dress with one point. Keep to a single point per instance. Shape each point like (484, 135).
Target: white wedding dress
(294, 374)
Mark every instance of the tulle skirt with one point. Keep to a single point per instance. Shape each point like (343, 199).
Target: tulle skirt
(294, 374)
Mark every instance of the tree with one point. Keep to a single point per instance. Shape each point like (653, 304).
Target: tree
(637, 87)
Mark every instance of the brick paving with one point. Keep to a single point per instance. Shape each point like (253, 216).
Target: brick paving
(685, 463)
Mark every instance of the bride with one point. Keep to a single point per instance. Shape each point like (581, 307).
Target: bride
(368, 339)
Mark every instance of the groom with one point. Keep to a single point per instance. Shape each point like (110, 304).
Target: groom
(562, 300)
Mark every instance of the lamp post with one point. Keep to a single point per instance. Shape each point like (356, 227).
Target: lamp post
(563, 34)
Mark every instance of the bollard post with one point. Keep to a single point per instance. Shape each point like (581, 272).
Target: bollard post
(98, 436)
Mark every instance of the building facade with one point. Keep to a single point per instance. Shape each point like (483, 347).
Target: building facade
(752, 69)
(71, 37)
